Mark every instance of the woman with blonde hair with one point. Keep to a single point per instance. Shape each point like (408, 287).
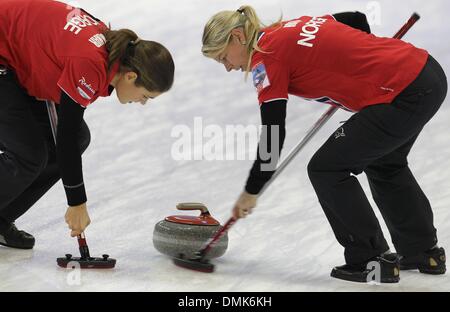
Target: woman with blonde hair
(52, 51)
(393, 88)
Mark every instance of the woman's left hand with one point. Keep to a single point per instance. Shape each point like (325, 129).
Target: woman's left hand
(244, 205)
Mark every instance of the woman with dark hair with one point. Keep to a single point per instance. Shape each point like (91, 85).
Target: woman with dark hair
(52, 51)
(393, 88)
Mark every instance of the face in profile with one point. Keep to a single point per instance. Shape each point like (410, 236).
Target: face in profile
(128, 92)
(236, 55)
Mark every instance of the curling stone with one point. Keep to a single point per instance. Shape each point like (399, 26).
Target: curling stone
(187, 235)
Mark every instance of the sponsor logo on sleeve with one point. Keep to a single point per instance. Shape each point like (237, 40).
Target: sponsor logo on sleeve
(85, 89)
(83, 82)
(83, 94)
(98, 40)
(260, 78)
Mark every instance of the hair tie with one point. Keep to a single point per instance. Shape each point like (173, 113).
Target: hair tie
(134, 42)
(241, 11)
(131, 48)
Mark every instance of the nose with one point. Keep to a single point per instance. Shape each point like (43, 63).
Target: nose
(228, 67)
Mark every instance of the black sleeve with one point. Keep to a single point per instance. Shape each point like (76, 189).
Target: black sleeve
(70, 118)
(356, 20)
(273, 117)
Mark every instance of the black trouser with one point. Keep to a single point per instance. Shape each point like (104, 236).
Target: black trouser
(377, 141)
(28, 167)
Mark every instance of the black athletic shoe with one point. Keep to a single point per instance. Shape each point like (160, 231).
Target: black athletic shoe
(431, 261)
(10, 236)
(363, 273)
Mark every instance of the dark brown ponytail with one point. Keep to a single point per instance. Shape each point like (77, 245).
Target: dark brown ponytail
(151, 61)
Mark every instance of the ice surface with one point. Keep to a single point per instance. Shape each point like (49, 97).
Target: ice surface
(132, 181)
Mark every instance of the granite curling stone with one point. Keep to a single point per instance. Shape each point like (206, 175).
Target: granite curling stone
(187, 235)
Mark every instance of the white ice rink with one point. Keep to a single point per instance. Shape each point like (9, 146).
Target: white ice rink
(133, 182)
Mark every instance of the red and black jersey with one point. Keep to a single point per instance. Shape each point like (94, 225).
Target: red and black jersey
(54, 47)
(58, 53)
(318, 58)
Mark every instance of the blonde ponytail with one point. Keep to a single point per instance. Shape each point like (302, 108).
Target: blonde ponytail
(217, 32)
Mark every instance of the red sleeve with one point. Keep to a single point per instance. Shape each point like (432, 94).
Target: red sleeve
(81, 80)
(329, 16)
(271, 80)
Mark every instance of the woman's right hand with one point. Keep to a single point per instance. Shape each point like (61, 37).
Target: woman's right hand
(77, 218)
(244, 205)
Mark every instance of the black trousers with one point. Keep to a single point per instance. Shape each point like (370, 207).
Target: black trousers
(377, 141)
(28, 167)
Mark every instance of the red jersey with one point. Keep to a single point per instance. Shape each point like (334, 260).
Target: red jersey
(318, 58)
(52, 47)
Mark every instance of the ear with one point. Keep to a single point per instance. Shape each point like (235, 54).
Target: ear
(130, 76)
(238, 33)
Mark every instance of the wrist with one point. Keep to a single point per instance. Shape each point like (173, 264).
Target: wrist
(80, 206)
(75, 195)
(247, 197)
(247, 194)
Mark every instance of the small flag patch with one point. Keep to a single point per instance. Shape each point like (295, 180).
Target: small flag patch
(260, 78)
